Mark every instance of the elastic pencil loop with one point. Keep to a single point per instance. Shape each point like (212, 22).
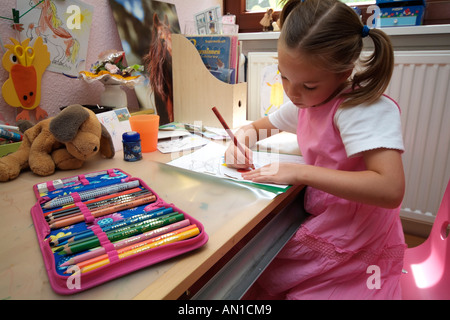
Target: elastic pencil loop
(102, 237)
(105, 243)
(113, 256)
(88, 217)
(83, 179)
(129, 179)
(50, 186)
(76, 197)
(41, 200)
(96, 229)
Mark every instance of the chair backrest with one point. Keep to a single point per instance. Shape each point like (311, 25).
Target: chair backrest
(439, 234)
(427, 266)
(440, 239)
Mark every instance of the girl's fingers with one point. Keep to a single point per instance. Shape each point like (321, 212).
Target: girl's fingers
(235, 159)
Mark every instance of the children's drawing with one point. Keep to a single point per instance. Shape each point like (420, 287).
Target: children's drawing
(272, 93)
(26, 65)
(209, 21)
(117, 123)
(210, 160)
(64, 26)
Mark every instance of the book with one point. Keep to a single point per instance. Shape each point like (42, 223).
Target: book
(219, 53)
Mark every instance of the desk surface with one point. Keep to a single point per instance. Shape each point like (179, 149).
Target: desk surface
(228, 211)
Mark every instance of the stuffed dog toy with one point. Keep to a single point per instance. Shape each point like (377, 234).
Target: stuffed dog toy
(64, 142)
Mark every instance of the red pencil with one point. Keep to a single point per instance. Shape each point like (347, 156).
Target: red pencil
(228, 130)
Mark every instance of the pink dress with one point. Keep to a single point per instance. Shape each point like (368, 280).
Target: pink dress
(345, 249)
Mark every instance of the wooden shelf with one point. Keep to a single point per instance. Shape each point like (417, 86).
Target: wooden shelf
(196, 90)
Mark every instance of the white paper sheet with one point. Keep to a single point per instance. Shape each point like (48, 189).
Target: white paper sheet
(210, 160)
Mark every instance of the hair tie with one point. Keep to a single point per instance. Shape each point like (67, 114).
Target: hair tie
(365, 31)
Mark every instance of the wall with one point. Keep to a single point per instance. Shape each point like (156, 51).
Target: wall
(59, 90)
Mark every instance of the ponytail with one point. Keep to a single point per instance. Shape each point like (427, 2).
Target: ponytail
(370, 83)
(331, 33)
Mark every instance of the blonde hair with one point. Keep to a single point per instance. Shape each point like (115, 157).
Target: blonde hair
(331, 33)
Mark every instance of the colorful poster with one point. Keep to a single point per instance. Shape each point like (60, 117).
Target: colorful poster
(208, 21)
(64, 26)
(145, 28)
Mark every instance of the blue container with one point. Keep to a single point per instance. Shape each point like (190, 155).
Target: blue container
(131, 146)
(396, 13)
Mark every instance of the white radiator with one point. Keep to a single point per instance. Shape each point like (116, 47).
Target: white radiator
(421, 86)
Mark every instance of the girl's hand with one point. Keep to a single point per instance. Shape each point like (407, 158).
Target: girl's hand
(235, 159)
(277, 173)
(247, 136)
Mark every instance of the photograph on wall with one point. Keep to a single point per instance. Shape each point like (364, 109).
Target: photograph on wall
(145, 28)
(64, 27)
(208, 21)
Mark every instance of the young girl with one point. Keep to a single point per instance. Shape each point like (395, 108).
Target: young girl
(352, 245)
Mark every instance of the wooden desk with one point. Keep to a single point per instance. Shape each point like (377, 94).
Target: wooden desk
(228, 211)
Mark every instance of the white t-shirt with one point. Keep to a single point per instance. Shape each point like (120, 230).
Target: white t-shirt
(363, 127)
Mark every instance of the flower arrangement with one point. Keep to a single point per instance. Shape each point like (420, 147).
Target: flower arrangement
(111, 69)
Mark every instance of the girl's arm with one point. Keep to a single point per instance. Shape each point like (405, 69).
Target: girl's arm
(382, 184)
(247, 136)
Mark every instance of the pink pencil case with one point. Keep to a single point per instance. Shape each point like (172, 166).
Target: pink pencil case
(66, 283)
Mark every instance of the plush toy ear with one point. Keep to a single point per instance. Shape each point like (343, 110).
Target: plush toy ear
(106, 144)
(24, 125)
(66, 124)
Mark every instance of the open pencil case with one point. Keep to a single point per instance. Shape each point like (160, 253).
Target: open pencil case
(126, 226)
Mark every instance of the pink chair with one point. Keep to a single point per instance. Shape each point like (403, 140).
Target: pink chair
(427, 266)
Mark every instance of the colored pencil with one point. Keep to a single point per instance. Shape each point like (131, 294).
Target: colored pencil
(230, 133)
(114, 225)
(127, 241)
(99, 208)
(89, 194)
(8, 127)
(10, 135)
(98, 205)
(95, 203)
(61, 183)
(85, 263)
(105, 208)
(178, 237)
(109, 196)
(102, 212)
(116, 232)
(116, 236)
